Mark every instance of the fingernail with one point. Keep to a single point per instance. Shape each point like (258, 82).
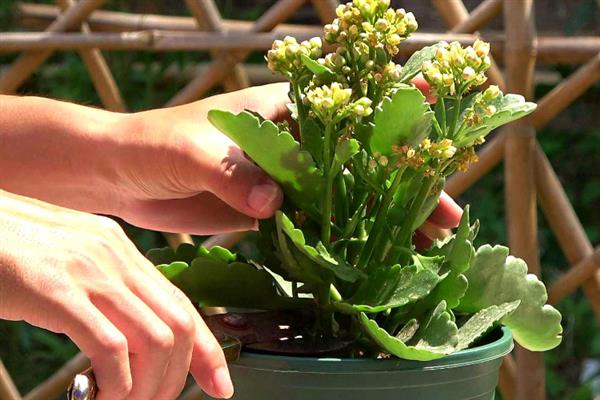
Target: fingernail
(261, 196)
(222, 383)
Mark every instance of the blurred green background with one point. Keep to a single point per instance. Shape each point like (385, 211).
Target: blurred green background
(571, 141)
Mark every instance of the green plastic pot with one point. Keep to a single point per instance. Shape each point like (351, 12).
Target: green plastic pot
(469, 374)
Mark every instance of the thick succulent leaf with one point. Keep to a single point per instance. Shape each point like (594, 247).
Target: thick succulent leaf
(162, 255)
(496, 278)
(430, 204)
(408, 330)
(173, 269)
(438, 331)
(322, 71)
(403, 118)
(345, 150)
(275, 152)
(457, 253)
(462, 250)
(433, 263)
(319, 256)
(390, 287)
(480, 323)
(509, 107)
(212, 283)
(413, 65)
(217, 253)
(398, 348)
(312, 139)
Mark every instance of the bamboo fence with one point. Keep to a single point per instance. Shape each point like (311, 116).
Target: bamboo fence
(529, 177)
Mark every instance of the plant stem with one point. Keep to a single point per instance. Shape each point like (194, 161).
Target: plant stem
(299, 106)
(443, 115)
(327, 193)
(353, 223)
(405, 233)
(455, 116)
(379, 222)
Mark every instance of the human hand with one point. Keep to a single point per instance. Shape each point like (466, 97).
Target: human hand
(179, 173)
(78, 274)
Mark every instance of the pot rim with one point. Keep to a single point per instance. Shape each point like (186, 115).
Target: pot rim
(498, 348)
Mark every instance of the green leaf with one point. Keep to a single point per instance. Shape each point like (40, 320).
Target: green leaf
(163, 255)
(462, 250)
(390, 287)
(457, 252)
(496, 278)
(480, 323)
(275, 152)
(322, 71)
(345, 150)
(398, 348)
(318, 255)
(439, 331)
(509, 107)
(403, 118)
(217, 253)
(430, 204)
(213, 283)
(185, 252)
(173, 269)
(433, 263)
(408, 330)
(413, 65)
(312, 139)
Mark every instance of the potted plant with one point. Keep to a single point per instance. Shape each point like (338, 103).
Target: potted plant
(362, 166)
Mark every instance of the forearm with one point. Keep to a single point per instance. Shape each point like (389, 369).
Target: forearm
(59, 152)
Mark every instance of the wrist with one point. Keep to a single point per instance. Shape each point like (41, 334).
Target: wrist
(59, 152)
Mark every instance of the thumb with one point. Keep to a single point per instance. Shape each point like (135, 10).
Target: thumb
(241, 184)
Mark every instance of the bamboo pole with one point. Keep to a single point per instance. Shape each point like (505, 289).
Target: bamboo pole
(227, 240)
(180, 41)
(325, 9)
(39, 16)
(507, 377)
(8, 390)
(551, 49)
(454, 13)
(519, 175)
(221, 67)
(59, 381)
(99, 72)
(479, 17)
(208, 18)
(22, 68)
(567, 92)
(571, 280)
(568, 231)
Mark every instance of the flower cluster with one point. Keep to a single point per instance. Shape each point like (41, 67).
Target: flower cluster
(370, 24)
(334, 101)
(464, 158)
(481, 106)
(408, 156)
(285, 55)
(454, 69)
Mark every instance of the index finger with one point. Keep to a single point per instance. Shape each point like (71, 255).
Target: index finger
(447, 214)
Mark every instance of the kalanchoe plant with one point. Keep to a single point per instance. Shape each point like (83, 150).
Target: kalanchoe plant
(365, 173)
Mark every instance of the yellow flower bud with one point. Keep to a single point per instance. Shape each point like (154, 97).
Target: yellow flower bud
(491, 92)
(468, 74)
(481, 48)
(490, 110)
